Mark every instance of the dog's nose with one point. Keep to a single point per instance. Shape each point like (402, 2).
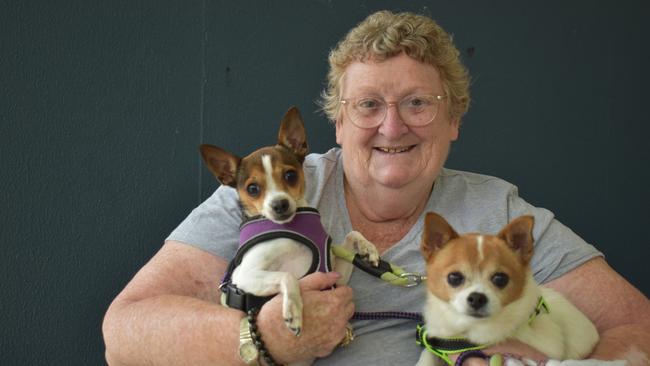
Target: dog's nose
(280, 206)
(477, 300)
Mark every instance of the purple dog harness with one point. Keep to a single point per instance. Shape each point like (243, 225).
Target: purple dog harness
(305, 228)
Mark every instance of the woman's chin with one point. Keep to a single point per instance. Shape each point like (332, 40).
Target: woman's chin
(394, 177)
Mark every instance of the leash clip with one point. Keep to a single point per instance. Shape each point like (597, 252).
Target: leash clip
(413, 278)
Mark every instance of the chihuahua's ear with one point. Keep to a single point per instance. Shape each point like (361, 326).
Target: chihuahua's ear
(221, 163)
(518, 234)
(437, 232)
(292, 133)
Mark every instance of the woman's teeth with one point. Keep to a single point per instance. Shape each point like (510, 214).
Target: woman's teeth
(393, 150)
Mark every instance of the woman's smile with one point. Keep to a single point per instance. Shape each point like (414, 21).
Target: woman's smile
(394, 150)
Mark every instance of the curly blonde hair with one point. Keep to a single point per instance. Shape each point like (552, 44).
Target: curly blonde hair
(385, 34)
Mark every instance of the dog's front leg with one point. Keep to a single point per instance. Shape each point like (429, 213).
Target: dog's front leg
(354, 241)
(267, 283)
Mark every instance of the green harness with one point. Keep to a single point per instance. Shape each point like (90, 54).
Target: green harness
(445, 347)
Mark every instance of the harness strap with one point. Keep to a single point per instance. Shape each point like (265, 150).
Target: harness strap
(542, 306)
(236, 298)
(444, 347)
(452, 344)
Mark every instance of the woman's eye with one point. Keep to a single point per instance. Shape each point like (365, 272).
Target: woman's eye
(500, 280)
(455, 279)
(253, 189)
(291, 177)
(417, 102)
(368, 104)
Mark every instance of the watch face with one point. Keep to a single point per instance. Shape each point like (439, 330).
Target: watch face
(248, 352)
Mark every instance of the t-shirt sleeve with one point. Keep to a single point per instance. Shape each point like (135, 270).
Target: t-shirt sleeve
(214, 225)
(558, 249)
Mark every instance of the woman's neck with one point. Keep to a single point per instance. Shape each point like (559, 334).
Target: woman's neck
(384, 215)
(382, 204)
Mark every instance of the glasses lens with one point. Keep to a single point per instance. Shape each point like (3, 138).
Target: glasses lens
(368, 112)
(418, 110)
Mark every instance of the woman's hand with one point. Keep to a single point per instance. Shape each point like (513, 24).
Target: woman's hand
(326, 312)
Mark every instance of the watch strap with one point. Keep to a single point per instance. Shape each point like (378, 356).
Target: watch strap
(248, 350)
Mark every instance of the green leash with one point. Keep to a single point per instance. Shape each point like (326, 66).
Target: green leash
(395, 275)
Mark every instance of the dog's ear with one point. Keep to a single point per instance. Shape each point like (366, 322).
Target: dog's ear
(221, 163)
(292, 133)
(437, 232)
(518, 234)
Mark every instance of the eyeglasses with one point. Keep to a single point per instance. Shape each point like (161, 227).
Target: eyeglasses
(415, 110)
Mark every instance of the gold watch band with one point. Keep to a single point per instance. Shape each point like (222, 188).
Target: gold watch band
(248, 351)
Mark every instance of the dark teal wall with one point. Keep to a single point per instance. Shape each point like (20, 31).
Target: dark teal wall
(103, 105)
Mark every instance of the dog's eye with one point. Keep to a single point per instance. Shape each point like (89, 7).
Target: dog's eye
(500, 280)
(253, 189)
(290, 176)
(455, 279)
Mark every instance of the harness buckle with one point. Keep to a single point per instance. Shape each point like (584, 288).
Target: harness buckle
(413, 278)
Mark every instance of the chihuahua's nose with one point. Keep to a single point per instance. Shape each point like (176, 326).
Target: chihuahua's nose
(477, 300)
(280, 206)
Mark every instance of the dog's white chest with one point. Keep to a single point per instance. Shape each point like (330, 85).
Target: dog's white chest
(281, 255)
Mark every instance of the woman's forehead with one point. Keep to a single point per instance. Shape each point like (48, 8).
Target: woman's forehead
(396, 74)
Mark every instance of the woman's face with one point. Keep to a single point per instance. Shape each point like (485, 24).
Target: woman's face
(393, 154)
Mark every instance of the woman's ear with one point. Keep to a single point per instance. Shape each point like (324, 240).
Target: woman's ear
(338, 125)
(455, 126)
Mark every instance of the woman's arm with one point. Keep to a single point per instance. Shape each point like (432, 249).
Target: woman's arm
(620, 312)
(169, 314)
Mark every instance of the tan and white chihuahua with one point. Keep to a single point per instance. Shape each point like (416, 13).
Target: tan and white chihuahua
(481, 291)
(271, 184)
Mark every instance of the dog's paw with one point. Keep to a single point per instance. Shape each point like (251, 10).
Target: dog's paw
(365, 248)
(292, 313)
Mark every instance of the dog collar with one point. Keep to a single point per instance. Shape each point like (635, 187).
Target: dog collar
(444, 347)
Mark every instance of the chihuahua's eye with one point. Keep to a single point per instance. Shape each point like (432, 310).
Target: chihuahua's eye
(290, 176)
(500, 279)
(455, 279)
(253, 189)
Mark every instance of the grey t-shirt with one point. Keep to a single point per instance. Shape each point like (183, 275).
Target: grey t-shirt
(470, 202)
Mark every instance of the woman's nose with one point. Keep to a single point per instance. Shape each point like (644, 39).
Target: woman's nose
(393, 125)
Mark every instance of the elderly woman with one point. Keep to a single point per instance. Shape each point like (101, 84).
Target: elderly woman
(386, 174)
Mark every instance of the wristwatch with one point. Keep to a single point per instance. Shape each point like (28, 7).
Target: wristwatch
(248, 351)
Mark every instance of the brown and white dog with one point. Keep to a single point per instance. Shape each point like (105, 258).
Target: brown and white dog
(480, 288)
(270, 183)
